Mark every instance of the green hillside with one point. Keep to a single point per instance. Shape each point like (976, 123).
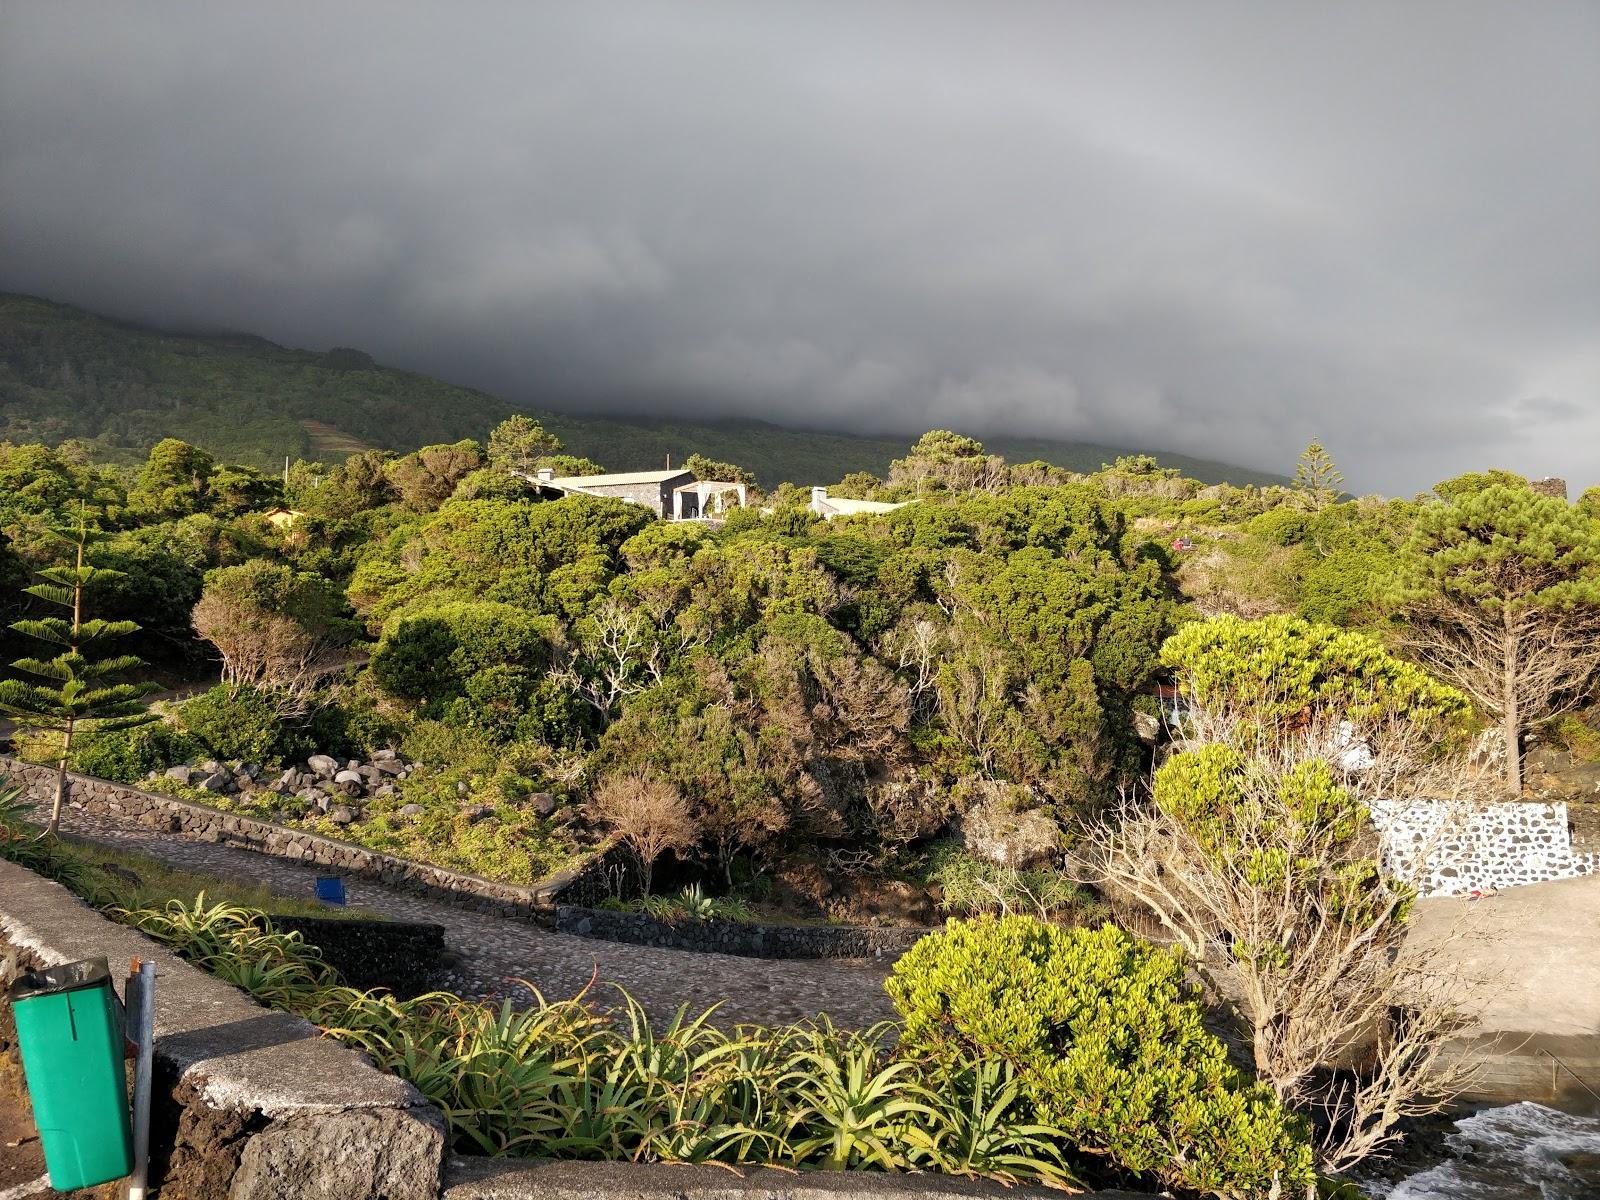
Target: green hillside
(66, 373)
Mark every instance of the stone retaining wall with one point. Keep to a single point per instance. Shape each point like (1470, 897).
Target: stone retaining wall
(743, 938)
(586, 882)
(403, 956)
(249, 1103)
(1449, 849)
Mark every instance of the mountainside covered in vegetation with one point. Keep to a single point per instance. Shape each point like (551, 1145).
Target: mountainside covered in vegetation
(65, 373)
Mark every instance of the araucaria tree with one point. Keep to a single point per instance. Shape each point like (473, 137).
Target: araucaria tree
(1316, 480)
(1255, 851)
(1500, 592)
(77, 687)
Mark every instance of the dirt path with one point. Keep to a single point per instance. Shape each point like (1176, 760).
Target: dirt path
(494, 953)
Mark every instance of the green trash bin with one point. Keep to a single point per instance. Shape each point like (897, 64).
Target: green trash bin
(70, 1031)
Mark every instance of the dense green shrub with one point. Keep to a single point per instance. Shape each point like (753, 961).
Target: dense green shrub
(129, 755)
(432, 654)
(1284, 668)
(1109, 1047)
(241, 724)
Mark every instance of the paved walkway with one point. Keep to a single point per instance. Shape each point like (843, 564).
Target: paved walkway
(494, 953)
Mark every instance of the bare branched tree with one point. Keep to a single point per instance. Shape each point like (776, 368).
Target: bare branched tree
(916, 646)
(615, 651)
(650, 815)
(1520, 665)
(1254, 852)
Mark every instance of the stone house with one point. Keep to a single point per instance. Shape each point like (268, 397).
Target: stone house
(672, 494)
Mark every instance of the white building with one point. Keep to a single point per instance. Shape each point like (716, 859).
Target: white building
(828, 507)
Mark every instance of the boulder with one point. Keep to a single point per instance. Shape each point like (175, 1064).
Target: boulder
(323, 765)
(998, 828)
(249, 770)
(544, 803)
(217, 781)
(389, 766)
(290, 779)
(180, 774)
(1147, 728)
(411, 810)
(382, 756)
(342, 815)
(349, 776)
(211, 766)
(478, 812)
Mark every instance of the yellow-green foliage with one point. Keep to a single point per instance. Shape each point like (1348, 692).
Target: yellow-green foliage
(1580, 740)
(1285, 668)
(1109, 1047)
(1291, 829)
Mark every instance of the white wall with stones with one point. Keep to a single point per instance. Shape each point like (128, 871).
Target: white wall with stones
(1448, 849)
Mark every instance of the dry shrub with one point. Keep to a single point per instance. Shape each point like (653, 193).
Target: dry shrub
(651, 815)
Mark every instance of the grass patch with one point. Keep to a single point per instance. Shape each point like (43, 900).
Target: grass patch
(136, 880)
(330, 439)
(108, 875)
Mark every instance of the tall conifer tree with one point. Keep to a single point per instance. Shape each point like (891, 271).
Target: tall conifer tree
(76, 687)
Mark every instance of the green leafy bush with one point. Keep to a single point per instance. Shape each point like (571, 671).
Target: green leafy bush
(1578, 739)
(1281, 669)
(129, 755)
(241, 724)
(1109, 1048)
(970, 885)
(433, 655)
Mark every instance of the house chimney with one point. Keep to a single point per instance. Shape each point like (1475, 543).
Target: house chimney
(818, 495)
(546, 474)
(1550, 486)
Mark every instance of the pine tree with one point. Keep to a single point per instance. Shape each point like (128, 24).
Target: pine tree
(1316, 478)
(1500, 590)
(77, 688)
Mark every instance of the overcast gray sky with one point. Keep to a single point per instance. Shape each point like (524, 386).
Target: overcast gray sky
(1214, 227)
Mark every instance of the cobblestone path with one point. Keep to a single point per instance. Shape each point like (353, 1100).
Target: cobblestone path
(493, 953)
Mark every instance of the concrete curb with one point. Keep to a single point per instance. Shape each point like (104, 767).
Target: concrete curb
(250, 1102)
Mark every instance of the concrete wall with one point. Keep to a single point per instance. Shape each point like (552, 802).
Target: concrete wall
(583, 883)
(747, 939)
(250, 1104)
(1452, 850)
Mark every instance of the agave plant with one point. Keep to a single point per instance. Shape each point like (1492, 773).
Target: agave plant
(694, 901)
(976, 1131)
(852, 1107)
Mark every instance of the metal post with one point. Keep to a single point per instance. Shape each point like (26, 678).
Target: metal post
(141, 1029)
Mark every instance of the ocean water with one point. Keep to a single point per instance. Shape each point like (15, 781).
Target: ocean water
(1519, 1152)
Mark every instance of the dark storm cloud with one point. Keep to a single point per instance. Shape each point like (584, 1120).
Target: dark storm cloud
(1220, 228)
